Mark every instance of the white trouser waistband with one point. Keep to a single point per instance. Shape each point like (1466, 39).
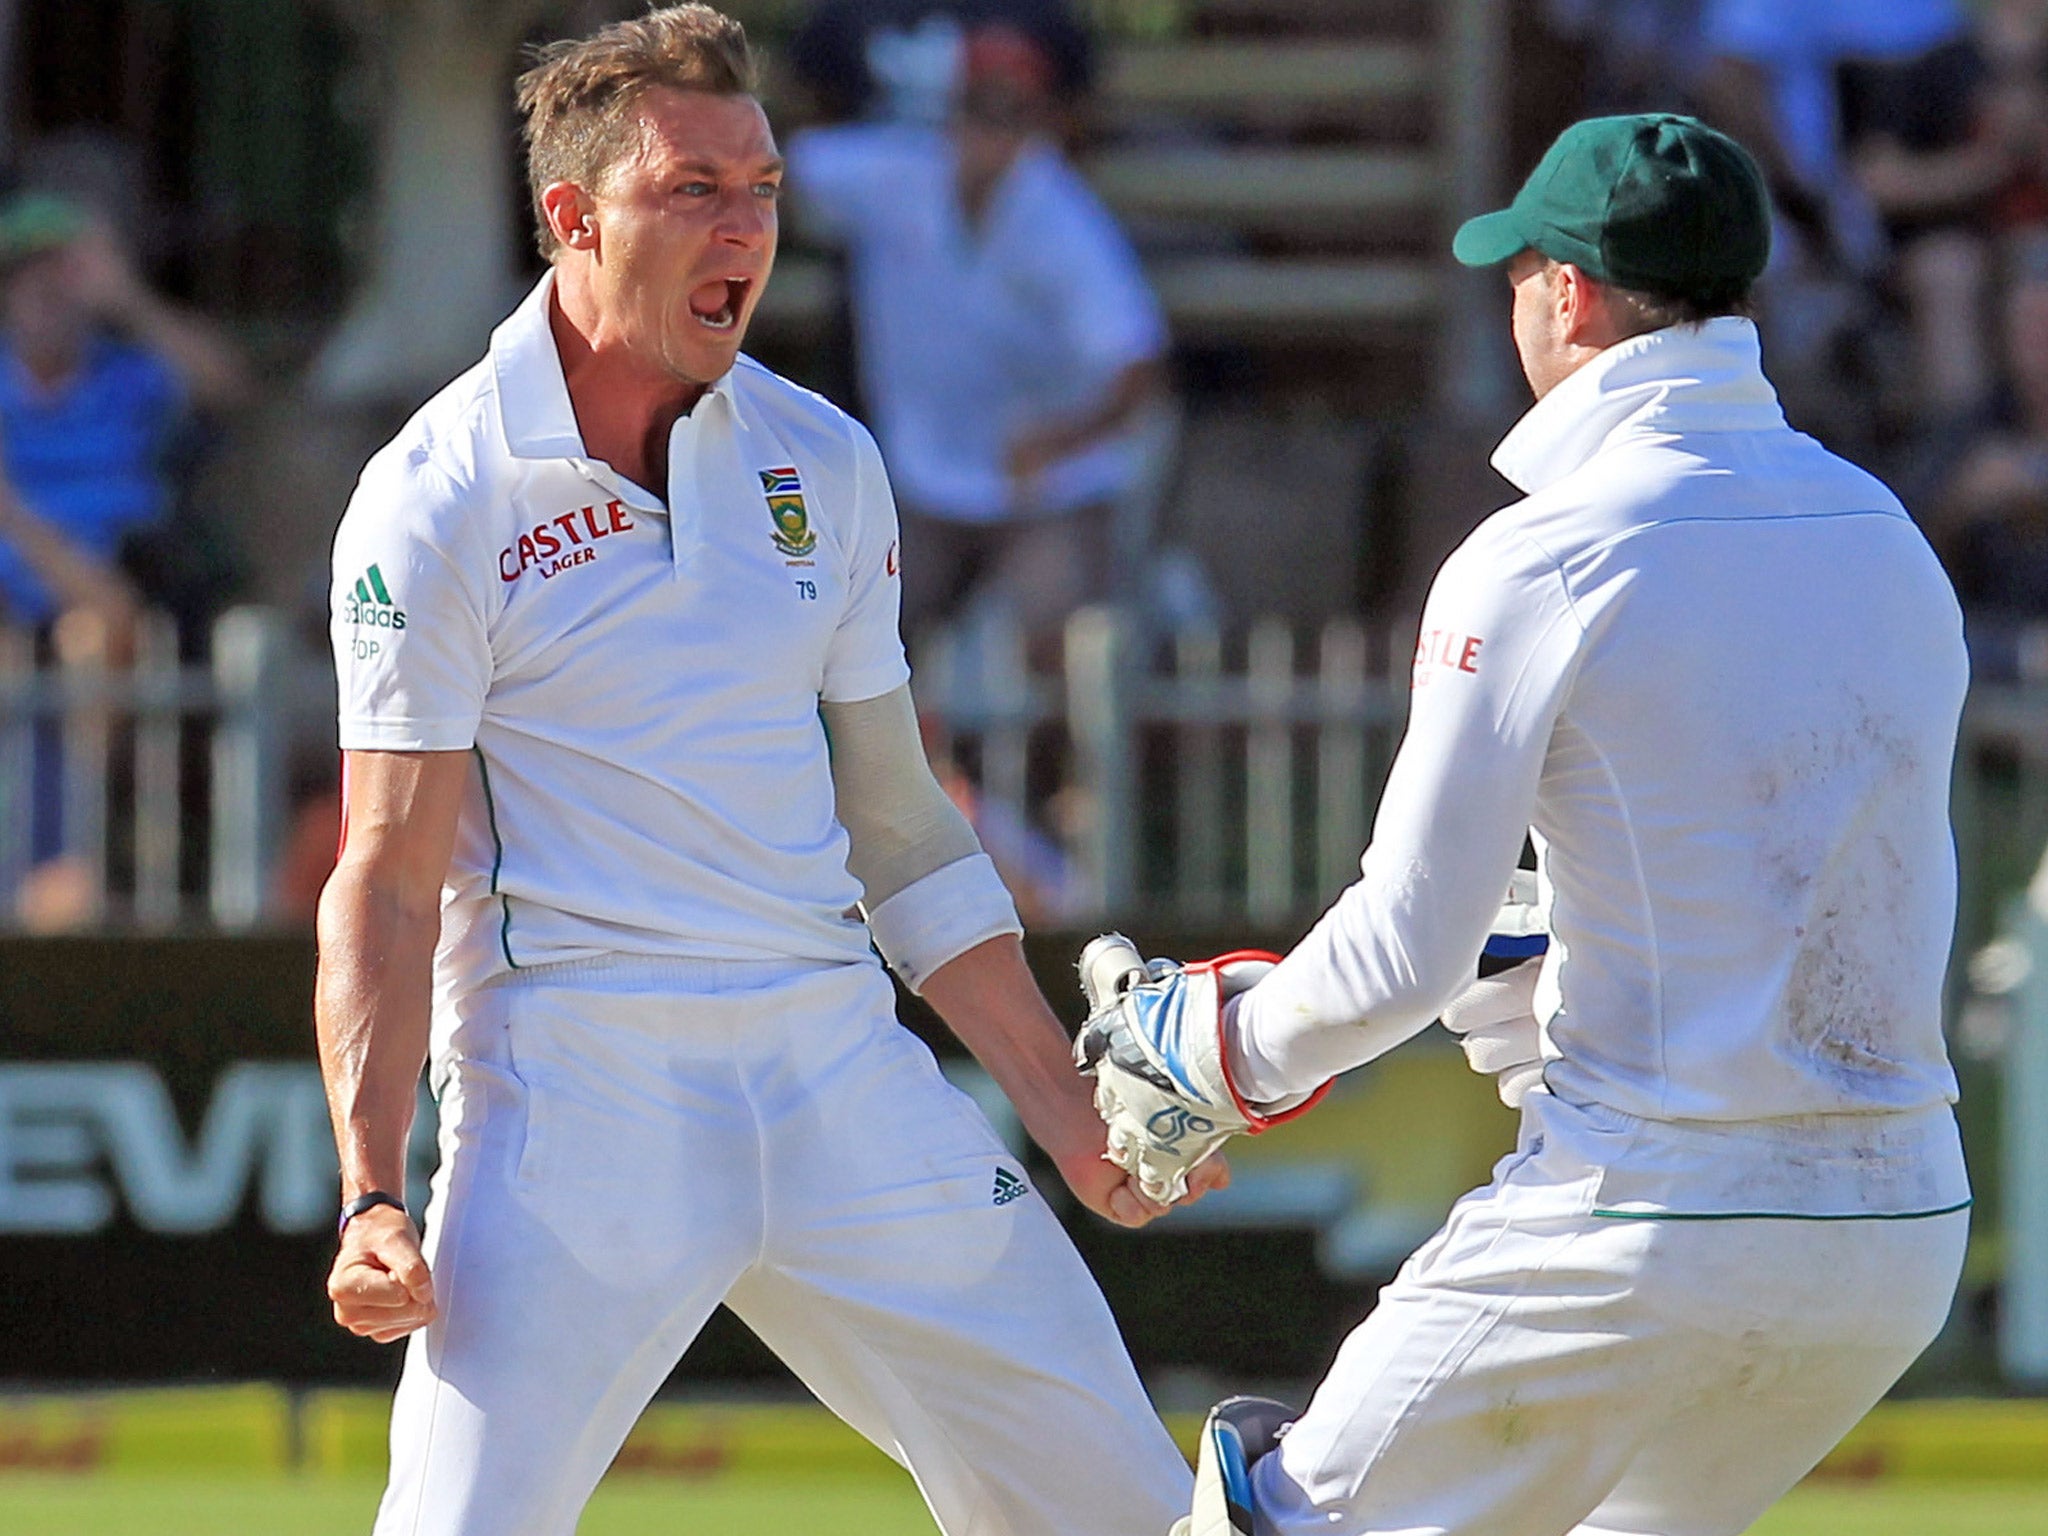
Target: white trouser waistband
(678, 973)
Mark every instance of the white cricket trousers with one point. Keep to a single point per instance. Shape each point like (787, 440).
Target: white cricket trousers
(624, 1145)
(1537, 1370)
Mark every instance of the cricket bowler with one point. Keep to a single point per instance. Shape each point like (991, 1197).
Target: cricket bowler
(634, 793)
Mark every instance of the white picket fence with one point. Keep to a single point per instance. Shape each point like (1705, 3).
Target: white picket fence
(135, 749)
(1212, 785)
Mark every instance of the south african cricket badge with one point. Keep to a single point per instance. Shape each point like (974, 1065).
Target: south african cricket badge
(785, 492)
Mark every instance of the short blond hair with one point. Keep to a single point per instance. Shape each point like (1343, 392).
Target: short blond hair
(576, 102)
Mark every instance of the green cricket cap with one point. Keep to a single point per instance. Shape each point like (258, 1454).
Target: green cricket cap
(34, 222)
(1652, 201)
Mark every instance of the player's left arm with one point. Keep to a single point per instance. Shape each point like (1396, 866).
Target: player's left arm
(939, 912)
(1186, 1056)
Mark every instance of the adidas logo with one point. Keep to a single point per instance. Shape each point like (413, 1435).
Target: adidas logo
(1009, 1187)
(370, 603)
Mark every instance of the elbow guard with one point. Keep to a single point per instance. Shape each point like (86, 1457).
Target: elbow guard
(928, 890)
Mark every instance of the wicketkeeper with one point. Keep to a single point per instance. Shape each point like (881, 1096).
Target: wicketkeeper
(1715, 673)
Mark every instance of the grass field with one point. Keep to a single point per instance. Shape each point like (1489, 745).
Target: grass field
(42, 1505)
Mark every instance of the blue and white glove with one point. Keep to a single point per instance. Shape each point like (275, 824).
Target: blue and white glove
(1154, 1044)
(1494, 1018)
(1238, 1431)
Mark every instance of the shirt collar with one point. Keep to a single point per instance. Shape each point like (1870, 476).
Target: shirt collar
(533, 397)
(1704, 378)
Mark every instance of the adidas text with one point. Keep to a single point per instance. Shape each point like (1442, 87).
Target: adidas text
(370, 606)
(372, 615)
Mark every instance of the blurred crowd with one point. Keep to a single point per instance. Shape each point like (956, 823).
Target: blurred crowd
(1906, 309)
(1019, 371)
(107, 394)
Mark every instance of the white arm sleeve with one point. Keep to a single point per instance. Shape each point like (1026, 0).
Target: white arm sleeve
(410, 617)
(1498, 647)
(929, 891)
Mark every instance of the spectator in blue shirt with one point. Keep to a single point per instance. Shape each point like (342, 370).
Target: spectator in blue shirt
(98, 380)
(97, 375)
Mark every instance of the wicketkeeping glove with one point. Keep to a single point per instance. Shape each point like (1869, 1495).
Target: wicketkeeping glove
(1494, 1018)
(1238, 1431)
(1495, 1022)
(1154, 1044)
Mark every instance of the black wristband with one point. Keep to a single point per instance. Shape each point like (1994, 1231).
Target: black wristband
(369, 1202)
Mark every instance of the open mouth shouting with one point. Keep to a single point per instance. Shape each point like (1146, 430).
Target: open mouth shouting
(718, 304)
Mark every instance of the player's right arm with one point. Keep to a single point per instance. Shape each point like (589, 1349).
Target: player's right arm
(412, 604)
(378, 923)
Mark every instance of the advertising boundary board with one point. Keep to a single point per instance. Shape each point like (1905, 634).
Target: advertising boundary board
(167, 1186)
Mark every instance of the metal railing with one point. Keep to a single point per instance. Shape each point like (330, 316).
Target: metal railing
(168, 779)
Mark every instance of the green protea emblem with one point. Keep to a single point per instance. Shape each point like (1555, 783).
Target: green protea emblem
(785, 493)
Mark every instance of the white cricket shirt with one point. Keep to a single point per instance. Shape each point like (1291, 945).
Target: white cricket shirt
(1717, 672)
(969, 335)
(638, 684)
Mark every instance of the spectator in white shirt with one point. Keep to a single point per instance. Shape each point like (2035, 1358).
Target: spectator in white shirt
(1008, 340)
